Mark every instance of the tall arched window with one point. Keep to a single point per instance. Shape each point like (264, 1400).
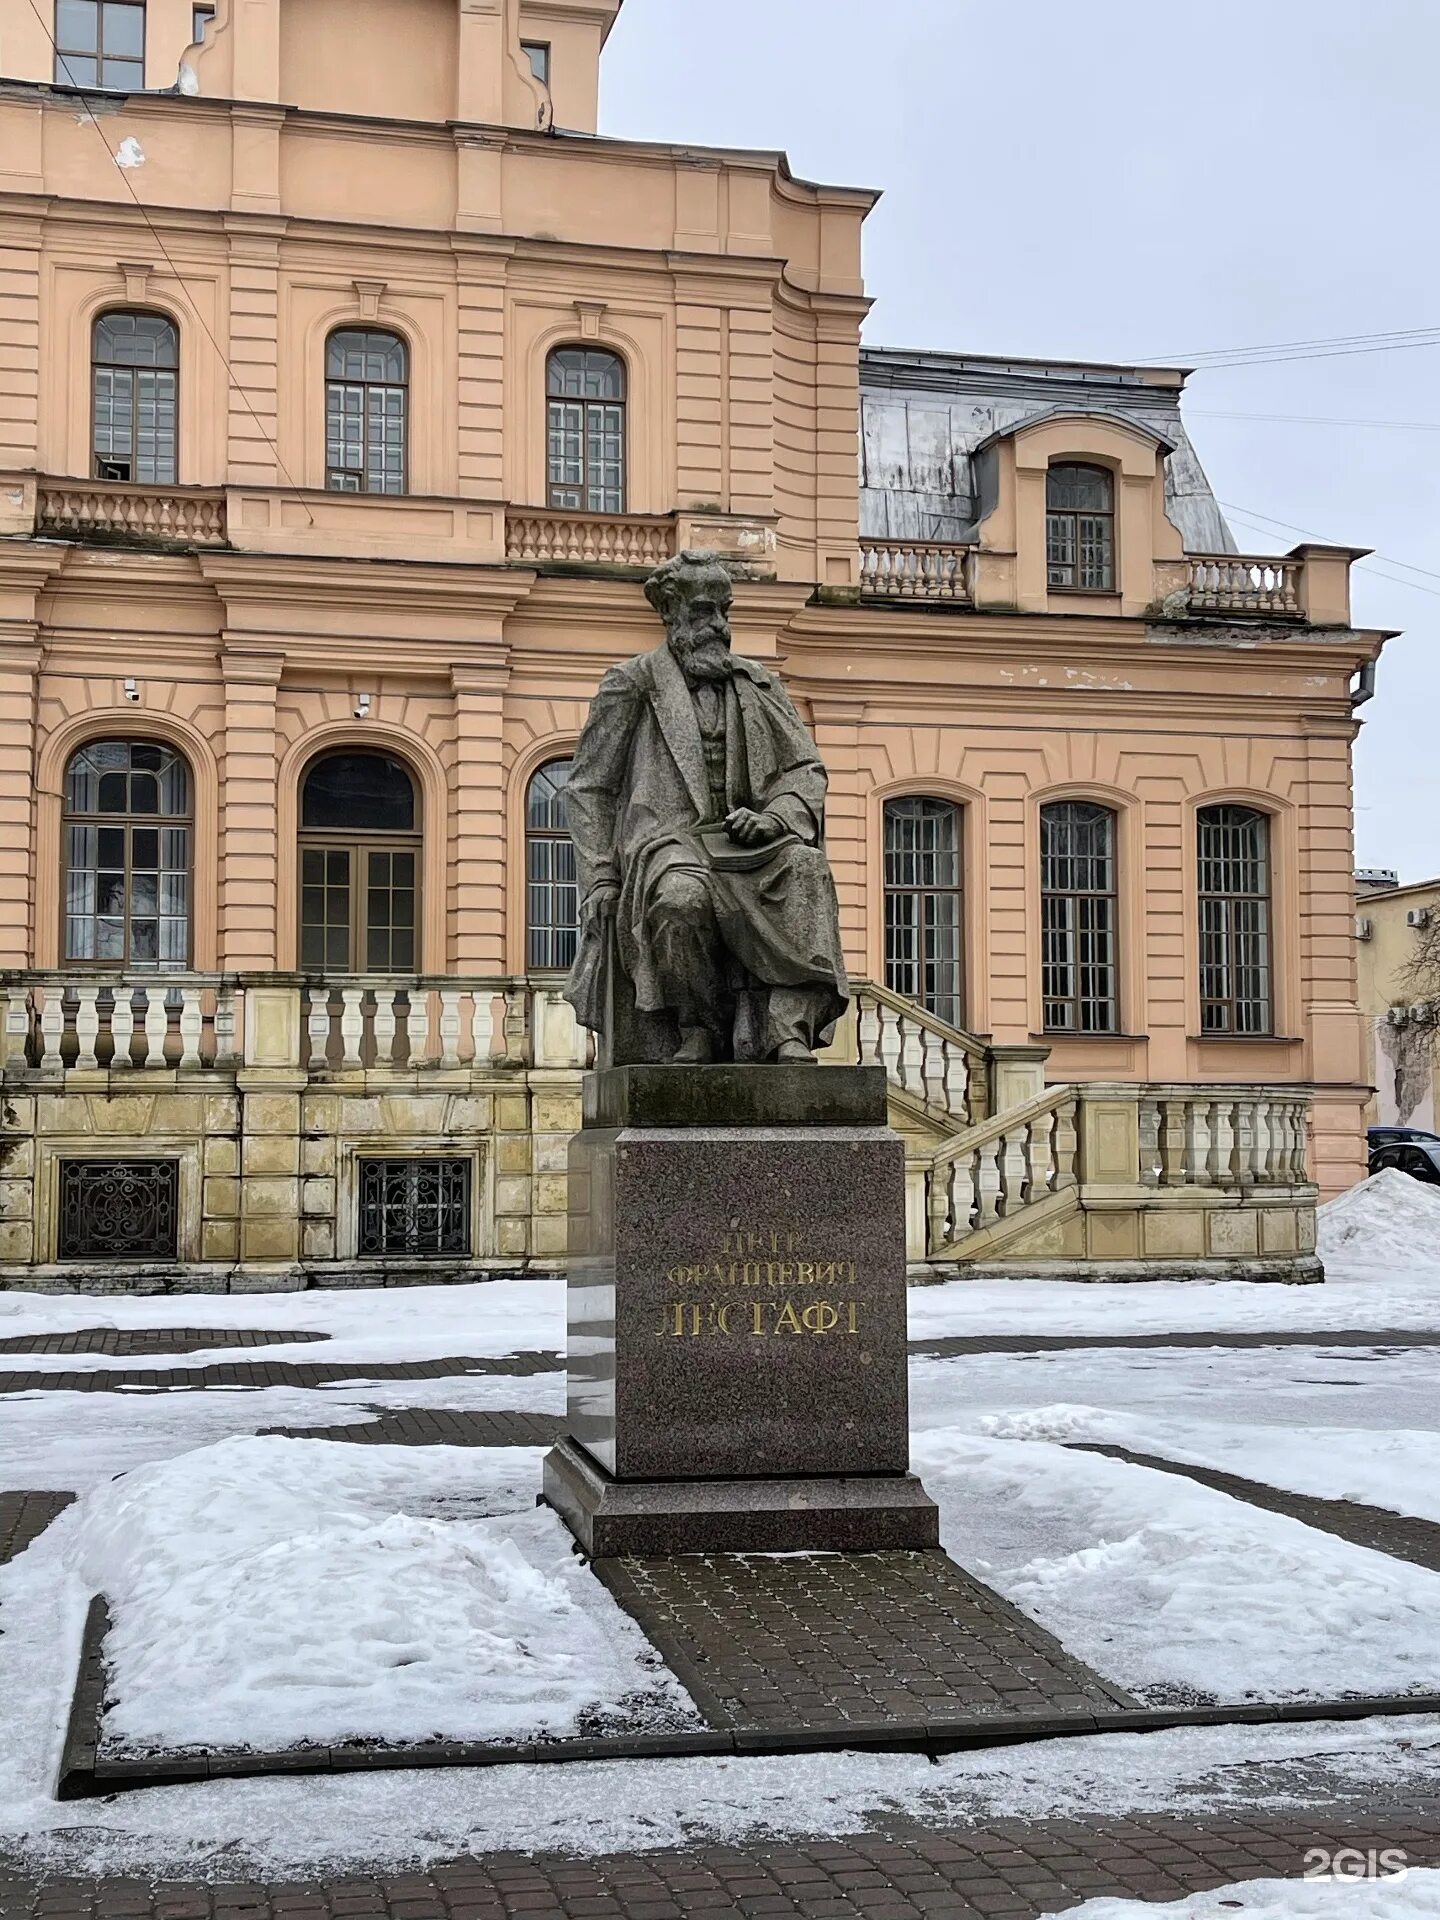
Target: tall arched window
(367, 378)
(1233, 870)
(128, 821)
(135, 389)
(586, 390)
(359, 865)
(1077, 918)
(1080, 528)
(552, 897)
(922, 904)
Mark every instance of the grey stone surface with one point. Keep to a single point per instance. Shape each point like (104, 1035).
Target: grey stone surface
(709, 924)
(737, 1301)
(837, 1514)
(736, 1096)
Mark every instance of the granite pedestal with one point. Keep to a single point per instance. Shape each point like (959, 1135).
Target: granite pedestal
(737, 1316)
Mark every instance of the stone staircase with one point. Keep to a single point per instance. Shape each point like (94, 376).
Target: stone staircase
(1003, 1169)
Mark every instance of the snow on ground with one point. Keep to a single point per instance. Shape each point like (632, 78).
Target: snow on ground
(368, 1592)
(1397, 1471)
(391, 1324)
(65, 1442)
(1385, 1222)
(1174, 1590)
(1408, 1896)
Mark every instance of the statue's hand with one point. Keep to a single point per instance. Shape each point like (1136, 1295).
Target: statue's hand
(753, 829)
(600, 904)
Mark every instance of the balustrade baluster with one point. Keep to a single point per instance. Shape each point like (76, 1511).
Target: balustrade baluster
(52, 1027)
(19, 1013)
(518, 1037)
(484, 1030)
(937, 1206)
(1172, 1143)
(1246, 1171)
(1066, 1145)
(384, 1026)
(1149, 1122)
(157, 1025)
(352, 1029)
(1197, 1142)
(192, 1026)
(122, 1028)
(87, 1024)
(417, 1026)
(224, 1025)
(989, 1193)
(317, 1026)
(449, 1027)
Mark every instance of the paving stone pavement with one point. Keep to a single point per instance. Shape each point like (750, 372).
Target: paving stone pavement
(24, 1517)
(1388, 1338)
(1398, 1534)
(275, 1373)
(136, 1342)
(826, 1640)
(439, 1427)
(1001, 1870)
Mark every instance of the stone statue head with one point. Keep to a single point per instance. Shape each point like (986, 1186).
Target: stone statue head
(692, 595)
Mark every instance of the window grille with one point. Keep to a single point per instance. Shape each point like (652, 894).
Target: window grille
(1077, 918)
(552, 895)
(922, 904)
(420, 1208)
(100, 43)
(587, 431)
(366, 412)
(1080, 528)
(127, 834)
(135, 388)
(118, 1210)
(1233, 864)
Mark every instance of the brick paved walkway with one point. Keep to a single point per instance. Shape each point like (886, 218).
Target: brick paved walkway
(823, 1641)
(1397, 1534)
(964, 1343)
(438, 1427)
(138, 1342)
(275, 1373)
(24, 1517)
(1001, 1870)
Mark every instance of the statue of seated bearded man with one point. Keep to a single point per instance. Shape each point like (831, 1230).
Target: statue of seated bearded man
(709, 924)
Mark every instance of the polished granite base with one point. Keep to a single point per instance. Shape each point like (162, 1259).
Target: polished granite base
(856, 1513)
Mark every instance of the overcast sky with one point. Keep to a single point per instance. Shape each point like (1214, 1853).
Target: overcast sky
(1142, 179)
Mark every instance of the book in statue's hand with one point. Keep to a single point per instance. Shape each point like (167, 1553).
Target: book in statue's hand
(727, 855)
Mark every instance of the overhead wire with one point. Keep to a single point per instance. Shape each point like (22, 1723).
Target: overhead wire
(236, 385)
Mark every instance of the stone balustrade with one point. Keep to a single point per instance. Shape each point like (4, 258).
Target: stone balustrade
(990, 1172)
(57, 1023)
(914, 570)
(1244, 584)
(935, 1064)
(185, 516)
(1236, 1137)
(535, 537)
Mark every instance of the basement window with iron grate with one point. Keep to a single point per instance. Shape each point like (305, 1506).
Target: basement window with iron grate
(118, 1210)
(420, 1208)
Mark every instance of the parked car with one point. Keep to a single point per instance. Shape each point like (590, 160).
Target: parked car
(1414, 1150)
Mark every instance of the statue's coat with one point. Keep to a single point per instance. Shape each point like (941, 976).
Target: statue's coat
(638, 790)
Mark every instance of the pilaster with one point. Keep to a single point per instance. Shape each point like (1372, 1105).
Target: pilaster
(478, 889)
(249, 852)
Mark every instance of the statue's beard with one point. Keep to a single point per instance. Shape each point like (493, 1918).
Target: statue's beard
(706, 660)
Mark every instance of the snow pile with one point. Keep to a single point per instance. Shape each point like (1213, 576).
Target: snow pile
(1389, 1221)
(1405, 1896)
(267, 1592)
(1163, 1585)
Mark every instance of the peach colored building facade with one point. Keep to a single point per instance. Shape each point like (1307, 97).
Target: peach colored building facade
(351, 388)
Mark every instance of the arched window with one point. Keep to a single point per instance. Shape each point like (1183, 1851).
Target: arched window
(359, 865)
(135, 388)
(1080, 528)
(1077, 918)
(552, 898)
(586, 391)
(1233, 869)
(128, 820)
(922, 904)
(100, 43)
(367, 376)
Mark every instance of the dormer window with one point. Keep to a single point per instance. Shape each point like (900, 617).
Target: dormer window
(1080, 528)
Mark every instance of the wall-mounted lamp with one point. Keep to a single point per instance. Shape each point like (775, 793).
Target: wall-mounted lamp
(362, 706)
(132, 691)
